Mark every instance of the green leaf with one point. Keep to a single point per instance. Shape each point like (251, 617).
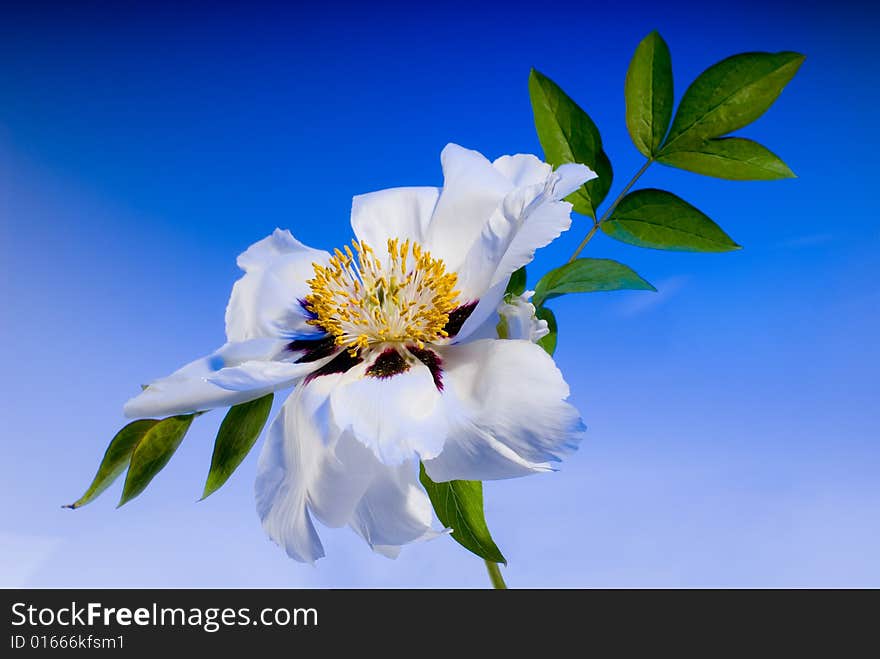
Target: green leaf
(648, 94)
(548, 342)
(152, 453)
(660, 220)
(567, 134)
(588, 276)
(459, 506)
(517, 283)
(116, 459)
(732, 158)
(729, 95)
(237, 435)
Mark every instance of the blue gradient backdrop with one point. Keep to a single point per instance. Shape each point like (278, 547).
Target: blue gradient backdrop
(733, 415)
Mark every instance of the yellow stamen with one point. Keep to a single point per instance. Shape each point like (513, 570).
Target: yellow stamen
(361, 301)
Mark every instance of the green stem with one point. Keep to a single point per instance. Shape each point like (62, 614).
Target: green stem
(607, 213)
(495, 576)
(585, 241)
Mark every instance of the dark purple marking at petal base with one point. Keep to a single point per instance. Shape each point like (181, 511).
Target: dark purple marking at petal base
(339, 364)
(388, 364)
(432, 360)
(457, 317)
(314, 349)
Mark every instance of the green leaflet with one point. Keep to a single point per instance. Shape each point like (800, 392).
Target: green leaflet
(586, 276)
(517, 283)
(152, 453)
(459, 506)
(732, 158)
(237, 435)
(661, 220)
(567, 134)
(115, 460)
(649, 94)
(729, 95)
(548, 342)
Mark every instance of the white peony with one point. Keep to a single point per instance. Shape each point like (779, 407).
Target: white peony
(385, 343)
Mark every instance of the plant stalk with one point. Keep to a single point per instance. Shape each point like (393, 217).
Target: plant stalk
(607, 213)
(495, 576)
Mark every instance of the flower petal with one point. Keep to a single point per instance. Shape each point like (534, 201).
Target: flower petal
(300, 472)
(398, 418)
(523, 169)
(491, 217)
(268, 375)
(281, 487)
(472, 191)
(528, 218)
(187, 389)
(395, 510)
(533, 217)
(266, 301)
(401, 213)
(308, 467)
(506, 401)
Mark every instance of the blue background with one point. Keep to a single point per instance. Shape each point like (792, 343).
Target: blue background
(733, 415)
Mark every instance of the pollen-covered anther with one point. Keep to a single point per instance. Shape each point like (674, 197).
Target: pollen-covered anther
(364, 300)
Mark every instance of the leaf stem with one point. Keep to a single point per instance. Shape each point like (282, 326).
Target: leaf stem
(495, 576)
(607, 213)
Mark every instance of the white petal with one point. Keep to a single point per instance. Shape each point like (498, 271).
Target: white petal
(474, 454)
(491, 217)
(571, 176)
(530, 221)
(506, 401)
(529, 217)
(401, 213)
(472, 191)
(307, 467)
(395, 510)
(281, 488)
(187, 390)
(398, 418)
(268, 375)
(523, 169)
(266, 301)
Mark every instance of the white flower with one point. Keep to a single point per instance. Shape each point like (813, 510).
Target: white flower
(382, 343)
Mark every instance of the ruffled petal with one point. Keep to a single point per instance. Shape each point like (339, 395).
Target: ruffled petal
(267, 300)
(399, 417)
(508, 412)
(302, 470)
(529, 217)
(188, 390)
(491, 217)
(395, 510)
(523, 169)
(472, 191)
(402, 213)
(289, 456)
(308, 468)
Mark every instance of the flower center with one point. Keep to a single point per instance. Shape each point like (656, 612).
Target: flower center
(363, 300)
